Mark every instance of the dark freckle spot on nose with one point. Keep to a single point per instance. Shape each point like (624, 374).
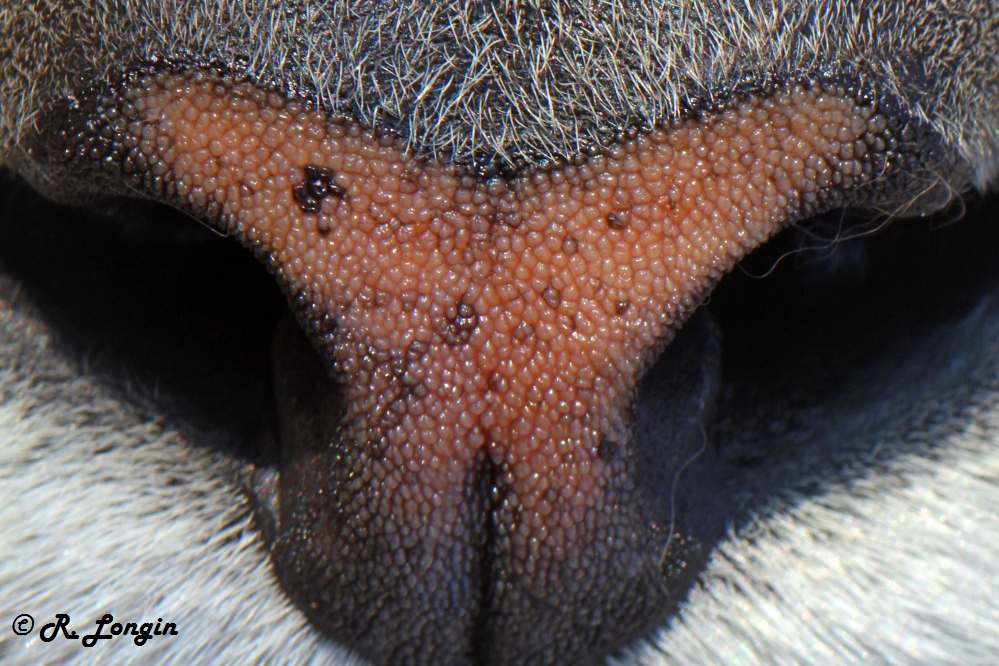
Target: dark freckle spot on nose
(569, 245)
(621, 307)
(552, 297)
(616, 222)
(318, 185)
(462, 323)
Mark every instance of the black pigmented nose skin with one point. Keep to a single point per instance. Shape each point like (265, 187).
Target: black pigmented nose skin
(317, 186)
(371, 580)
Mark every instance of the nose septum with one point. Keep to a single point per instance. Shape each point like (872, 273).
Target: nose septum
(478, 495)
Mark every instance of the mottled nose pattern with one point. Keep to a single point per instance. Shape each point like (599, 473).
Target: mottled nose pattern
(469, 483)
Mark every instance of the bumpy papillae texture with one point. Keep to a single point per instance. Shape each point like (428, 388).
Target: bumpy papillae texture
(488, 335)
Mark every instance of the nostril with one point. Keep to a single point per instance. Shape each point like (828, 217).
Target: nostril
(675, 468)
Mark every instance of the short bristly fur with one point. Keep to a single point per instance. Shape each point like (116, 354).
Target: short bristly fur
(521, 79)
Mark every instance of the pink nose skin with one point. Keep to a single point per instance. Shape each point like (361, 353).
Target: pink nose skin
(476, 496)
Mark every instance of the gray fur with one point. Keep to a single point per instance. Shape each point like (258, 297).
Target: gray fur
(534, 78)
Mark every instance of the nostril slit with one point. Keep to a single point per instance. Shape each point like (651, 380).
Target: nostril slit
(491, 494)
(472, 474)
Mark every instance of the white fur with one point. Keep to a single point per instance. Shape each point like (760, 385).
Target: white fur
(104, 510)
(895, 560)
(892, 570)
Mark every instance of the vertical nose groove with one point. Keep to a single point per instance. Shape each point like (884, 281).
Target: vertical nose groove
(490, 497)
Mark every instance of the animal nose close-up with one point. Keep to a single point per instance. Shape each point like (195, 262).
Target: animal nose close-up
(499, 413)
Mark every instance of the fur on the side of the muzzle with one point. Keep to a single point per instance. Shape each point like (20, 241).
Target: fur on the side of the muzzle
(109, 506)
